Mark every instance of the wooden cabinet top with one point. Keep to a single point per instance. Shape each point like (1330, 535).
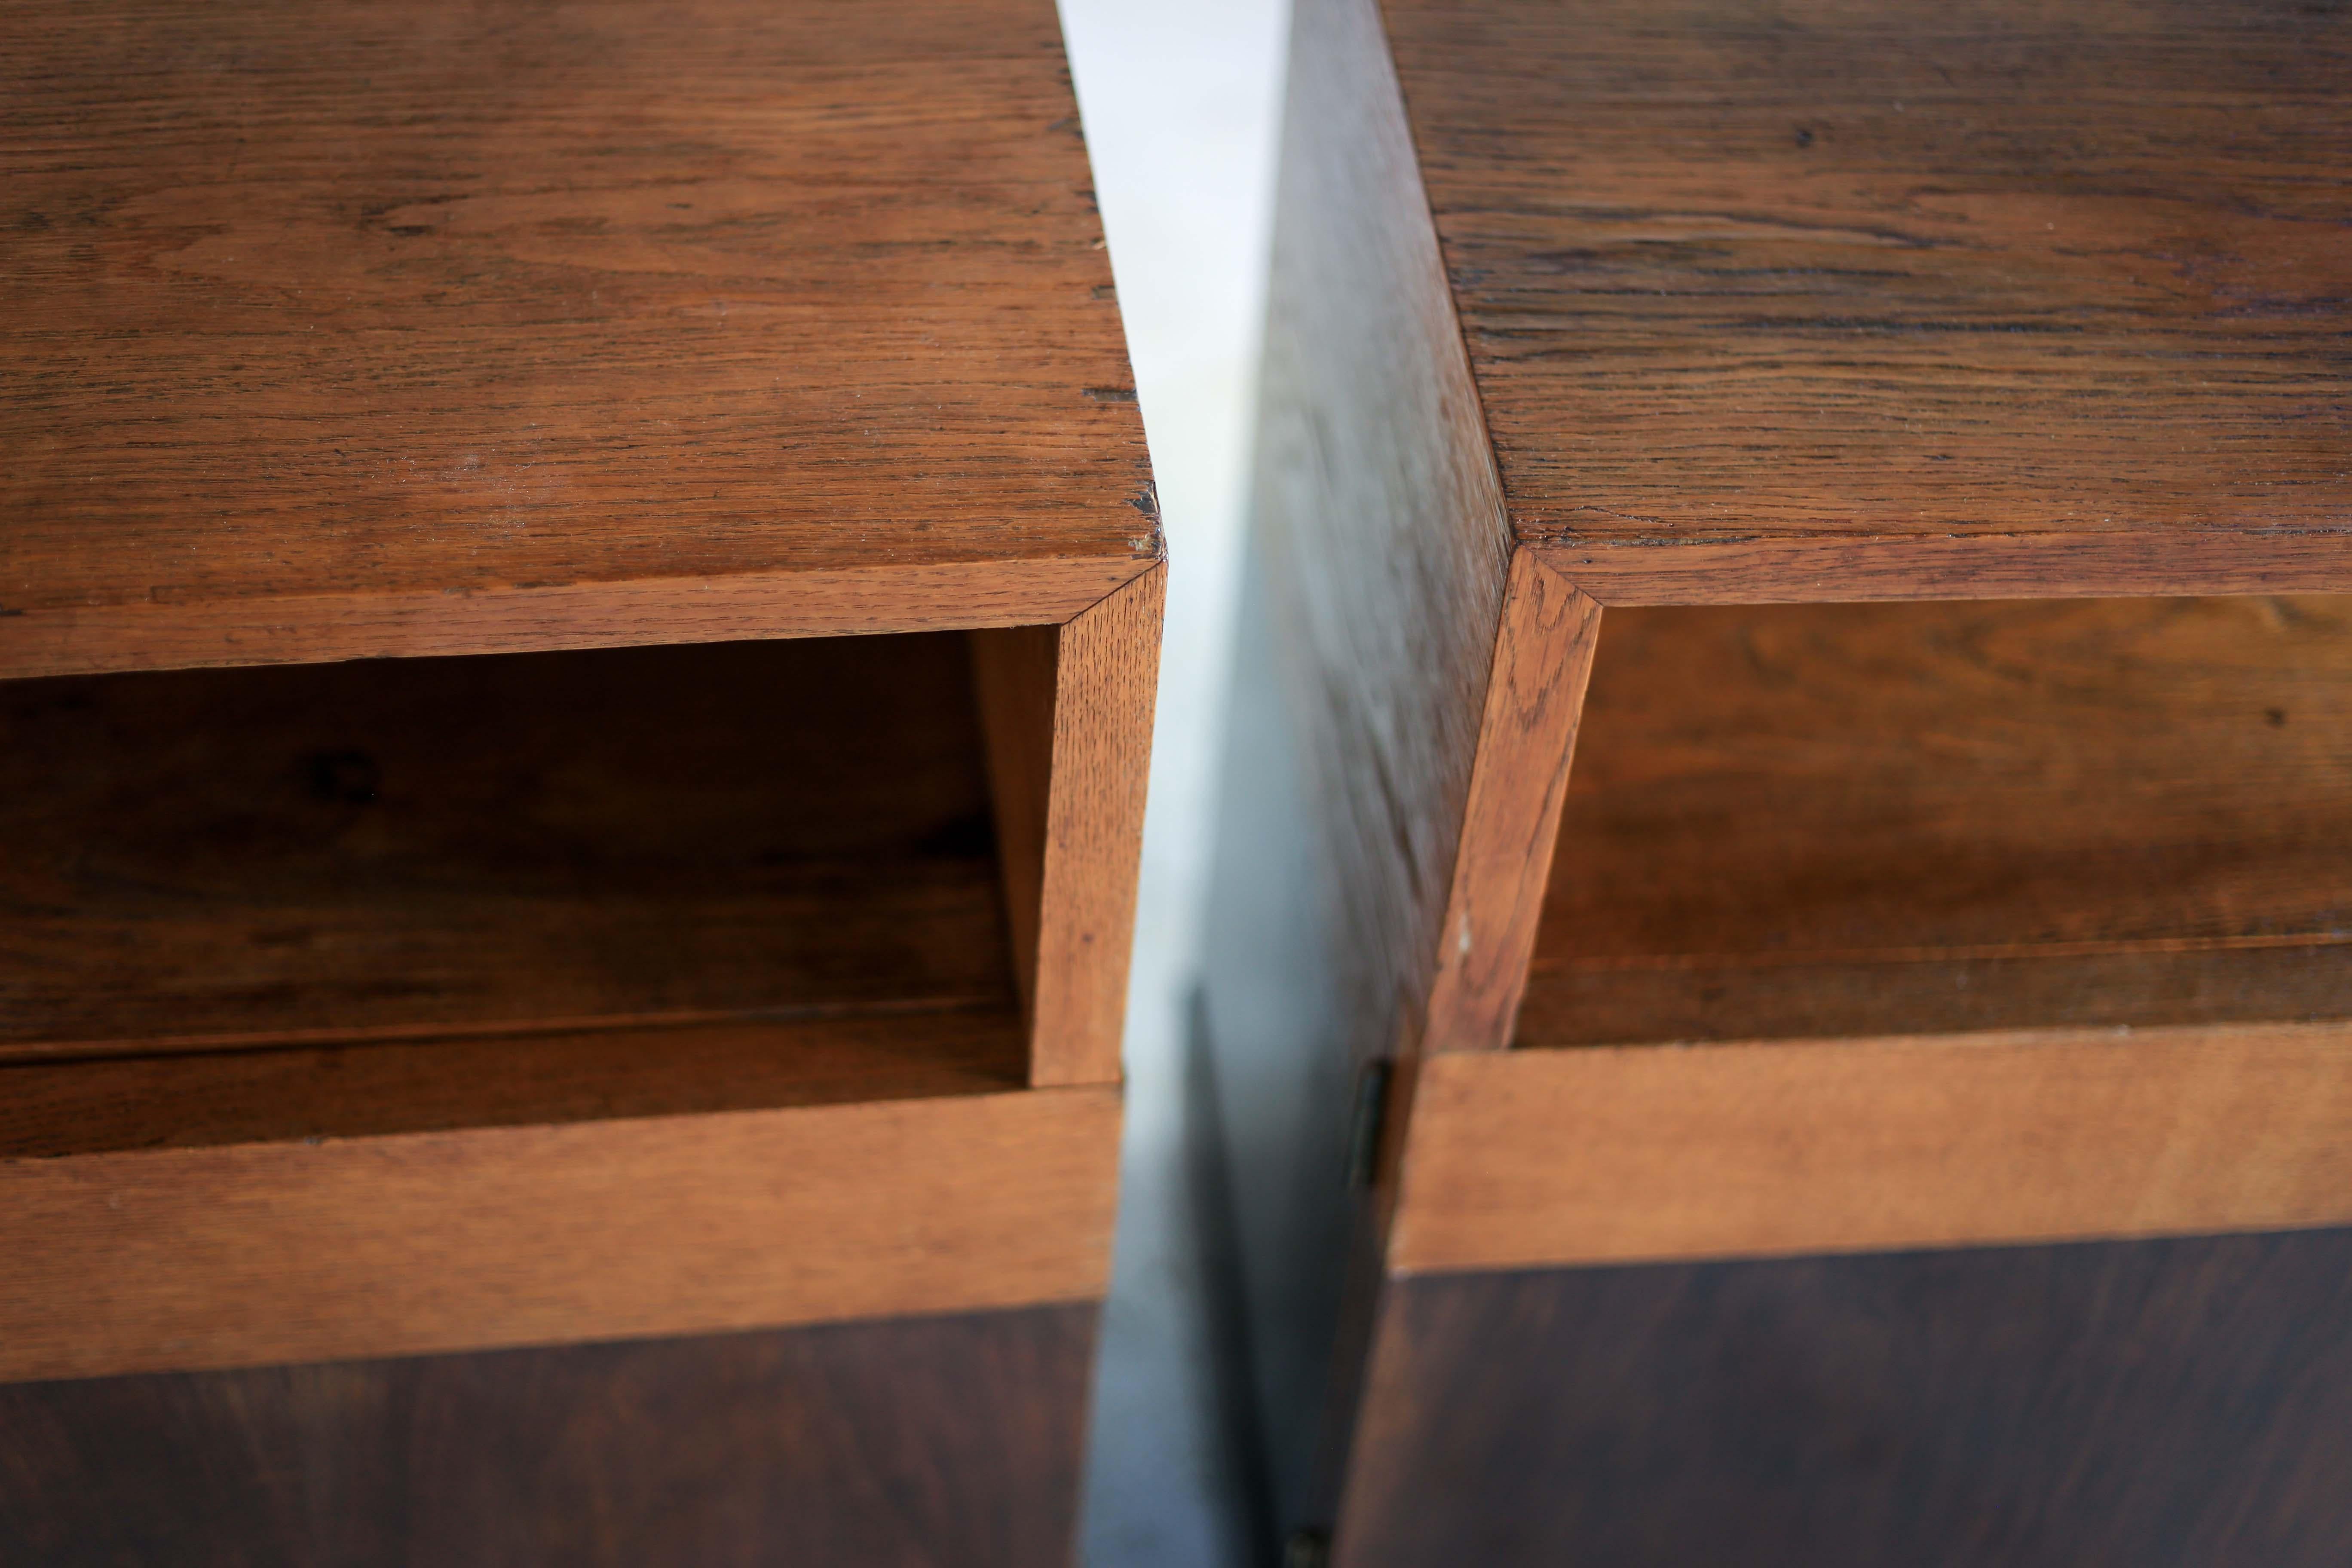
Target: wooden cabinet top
(1793, 274)
(350, 329)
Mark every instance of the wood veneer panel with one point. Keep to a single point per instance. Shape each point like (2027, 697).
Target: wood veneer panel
(350, 329)
(909, 1443)
(1895, 818)
(518, 841)
(2135, 1404)
(1521, 1159)
(320, 1249)
(1848, 280)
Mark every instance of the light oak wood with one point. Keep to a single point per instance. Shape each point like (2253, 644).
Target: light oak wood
(1522, 1159)
(1106, 673)
(352, 331)
(252, 1254)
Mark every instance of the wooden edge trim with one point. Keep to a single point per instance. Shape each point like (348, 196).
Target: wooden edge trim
(262, 1253)
(79, 640)
(1531, 1159)
(1830, 568)
(1106, 675)
(1014, 671)
(1526, 739)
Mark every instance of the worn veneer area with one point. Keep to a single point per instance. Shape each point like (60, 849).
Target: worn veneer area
(1898, 818)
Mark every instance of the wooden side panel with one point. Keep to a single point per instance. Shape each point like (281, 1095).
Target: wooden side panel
(1605, 1154)
(1378, 515)
(1106, 675)
(197, 859)
(2173, 1404)
(1834, 300)
(1386, 583)
(255, 1254)
(1013, 668)
(1275, 1020)
(1527, 738)
(909, 1443)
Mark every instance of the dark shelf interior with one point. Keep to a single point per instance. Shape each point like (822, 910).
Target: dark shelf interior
(1838, 820)
(308, 856)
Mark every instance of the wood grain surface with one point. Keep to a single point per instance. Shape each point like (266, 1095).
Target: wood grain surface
(1711, 997)
(1013, 672)
(2177, 1404)
(909, 1443)
(1856, 279)
(1503, 861)
(1106, 675)
(1521, 1159)
(1896, 818)
(341, 1247)
(349, 329)
(285, 1094)
(521, 841)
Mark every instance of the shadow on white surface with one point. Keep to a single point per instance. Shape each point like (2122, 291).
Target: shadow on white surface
(1181, 104)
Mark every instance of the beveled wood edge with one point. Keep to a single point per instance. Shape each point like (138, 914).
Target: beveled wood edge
(954, 596)
(346, 1249)
(1846, 568)
(1105, 681)
(1510, 823)
(1608, 1155)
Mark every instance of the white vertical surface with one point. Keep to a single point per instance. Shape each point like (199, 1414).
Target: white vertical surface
(1181, 104)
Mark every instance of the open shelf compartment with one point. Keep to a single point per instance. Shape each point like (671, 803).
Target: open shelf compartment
(421, 1005)
(1827, 821)
(1922, 925)
(323, 854)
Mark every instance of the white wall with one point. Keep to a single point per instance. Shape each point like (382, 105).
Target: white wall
(1182, 105)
